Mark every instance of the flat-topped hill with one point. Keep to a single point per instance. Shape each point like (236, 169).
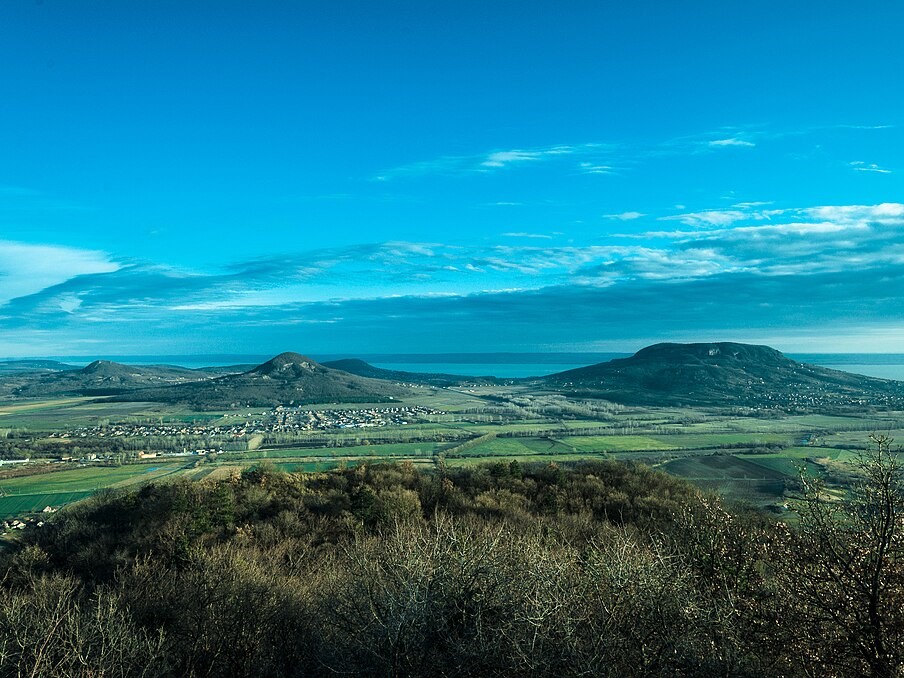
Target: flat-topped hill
(727, 374)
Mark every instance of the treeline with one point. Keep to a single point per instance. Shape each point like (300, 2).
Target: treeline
(128, 447)
(370, 437)
(599, 568)
(24, 445)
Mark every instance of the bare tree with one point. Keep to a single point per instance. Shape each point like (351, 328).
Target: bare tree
(845, 570)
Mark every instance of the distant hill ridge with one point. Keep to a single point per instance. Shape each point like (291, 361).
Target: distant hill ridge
(364, 369)
(33, 366)
(669, 374)
(104, 377)
(286, 379)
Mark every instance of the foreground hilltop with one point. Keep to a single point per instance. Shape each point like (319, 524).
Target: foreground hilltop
(287, 379)
(724, 374)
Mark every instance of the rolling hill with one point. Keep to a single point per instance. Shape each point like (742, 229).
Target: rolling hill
(103, 377)
(724, 374)
(26, 366)
(287, 379)
(363, 369)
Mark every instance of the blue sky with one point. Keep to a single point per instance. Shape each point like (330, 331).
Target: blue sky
(215, 177)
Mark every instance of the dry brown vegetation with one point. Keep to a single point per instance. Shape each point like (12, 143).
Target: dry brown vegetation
(596, 569)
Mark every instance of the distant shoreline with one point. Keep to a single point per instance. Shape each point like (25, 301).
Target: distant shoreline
(514, 358)
(504, 365)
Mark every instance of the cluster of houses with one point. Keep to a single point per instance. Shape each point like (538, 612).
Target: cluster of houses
(281, 419)
(289, 419)
(127, 430)
(28, 521)
(809, 398)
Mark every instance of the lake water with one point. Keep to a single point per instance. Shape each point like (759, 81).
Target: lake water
(503, 370)
(882, 365)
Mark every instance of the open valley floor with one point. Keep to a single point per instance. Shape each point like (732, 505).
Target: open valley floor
(61, 450)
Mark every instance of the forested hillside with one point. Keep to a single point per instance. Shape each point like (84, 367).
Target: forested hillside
(599, 568)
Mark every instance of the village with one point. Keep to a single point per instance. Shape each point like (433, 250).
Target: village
(281, 419)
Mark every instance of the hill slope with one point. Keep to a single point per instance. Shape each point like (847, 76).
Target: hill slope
(287, 379)
(20, 366)
(103, 377)
(725, 374)
(363, 369)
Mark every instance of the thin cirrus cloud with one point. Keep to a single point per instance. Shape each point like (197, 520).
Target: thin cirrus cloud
(594, 168)
(533, 236)
(722, 217)
(860, 166)
(505, 158)
(592, 158)
(731, 141)
(625, 216)
(491, 161)
(610, 158)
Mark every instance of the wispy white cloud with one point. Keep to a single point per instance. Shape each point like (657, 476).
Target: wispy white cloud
(611, 158)
(732, 141)
(722, 217)
(887, 213)
(800, 241)
(504, 158)
(540, 236)
(492, 161)
(861, 166)
(825, 218)
(715, 262)
(743, 239)
(865, 126)
(748, 205)
(625, 216)
(28, 268)
(595, 168)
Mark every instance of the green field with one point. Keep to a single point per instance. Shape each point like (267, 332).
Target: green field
(526, 459)
(31, 503)
(617, 443)
(87, 479)
(32, 493)
(515, 447)
(383, 450)
(732, 475)
(785, 465)
(702, 441)
(726, 466)
(64, 413)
